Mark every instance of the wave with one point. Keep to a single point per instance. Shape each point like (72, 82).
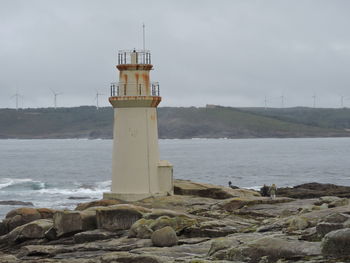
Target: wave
(21, 184)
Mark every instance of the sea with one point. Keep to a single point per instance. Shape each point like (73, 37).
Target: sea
(64, 172)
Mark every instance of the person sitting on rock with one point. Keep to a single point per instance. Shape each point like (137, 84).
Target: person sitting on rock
(232, 186)
(272, 191)
(264, 191)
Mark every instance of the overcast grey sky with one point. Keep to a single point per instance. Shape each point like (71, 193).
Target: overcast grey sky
(232, 53)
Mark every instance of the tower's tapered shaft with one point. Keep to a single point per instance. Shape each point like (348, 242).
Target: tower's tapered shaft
(137, 172)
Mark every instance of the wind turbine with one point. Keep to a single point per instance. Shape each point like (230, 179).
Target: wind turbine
(342, 97)
(96, 98)
(282, 101)
(17, 95)
(265, 102)
(314, 98)
(55, 94)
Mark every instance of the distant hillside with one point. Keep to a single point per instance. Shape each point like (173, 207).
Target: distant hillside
(324, 117)
(192, 122)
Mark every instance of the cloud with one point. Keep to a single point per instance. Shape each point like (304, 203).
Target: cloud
(232, 53)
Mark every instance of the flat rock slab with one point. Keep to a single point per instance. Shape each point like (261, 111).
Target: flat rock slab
(186, 187)
(176, 252)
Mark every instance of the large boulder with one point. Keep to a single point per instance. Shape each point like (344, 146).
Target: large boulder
(141, 228)
(33, 230)
(336, 218)
(23, 215)
(164, 237)
(71, 222)
(185, 187)
(324, 228)
(103, 202)
(337, 243)
(119, 217)
(20, 216)
(273, 248)
(46, 213)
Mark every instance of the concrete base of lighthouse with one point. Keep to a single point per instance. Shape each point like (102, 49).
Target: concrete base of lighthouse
(137, 172)
(166, 186)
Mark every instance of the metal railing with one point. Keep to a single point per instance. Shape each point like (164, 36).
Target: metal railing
(118, 89)
(155, 89)
(134, 57)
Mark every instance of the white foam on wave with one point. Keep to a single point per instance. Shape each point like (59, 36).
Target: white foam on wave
(6, 182)
(96, 189)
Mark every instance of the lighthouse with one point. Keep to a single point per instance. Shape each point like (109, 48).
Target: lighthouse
(137, 172)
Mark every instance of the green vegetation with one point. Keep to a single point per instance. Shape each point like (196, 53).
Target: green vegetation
(192, 122)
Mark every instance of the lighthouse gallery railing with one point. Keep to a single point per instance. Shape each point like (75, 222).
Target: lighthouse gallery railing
(120, 90)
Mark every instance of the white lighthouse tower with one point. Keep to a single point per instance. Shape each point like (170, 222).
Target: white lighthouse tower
(137, 172)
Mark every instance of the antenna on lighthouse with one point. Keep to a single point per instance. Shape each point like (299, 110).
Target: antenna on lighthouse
(143, 37)
(17, 95)
(96, 98)
(55, 94)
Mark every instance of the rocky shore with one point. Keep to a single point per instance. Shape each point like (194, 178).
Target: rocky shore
(200, 223)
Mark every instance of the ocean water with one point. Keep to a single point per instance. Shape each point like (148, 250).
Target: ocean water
(50, 172)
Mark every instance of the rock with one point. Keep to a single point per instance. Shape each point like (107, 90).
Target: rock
(310, 234)
(20, 216)
(3, 228)
(314, 190)
(118, 217)
(273, 248)
(336, 218)
(324, 228)
(337, 243)
(221, 244)
(297, 223)
(33, 230)
(71, 222)
(51, 234)
(164, 212)
(164, 237)
(185, 187)
(178, 223)
(141, 228)
(14, 202)
(46, 213)
(97, 234)
(327, 200)
(5, 258)
(236, 203)
(124, 257)
(78, 197)
(102, 202)
(43, 250)
(210, 229)
(269, 228)
(341, 202)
